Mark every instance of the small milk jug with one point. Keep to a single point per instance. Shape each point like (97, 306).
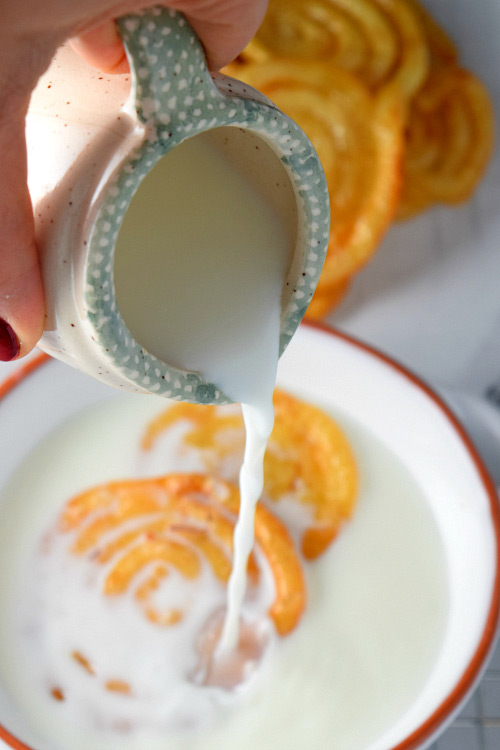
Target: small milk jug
(115, 165)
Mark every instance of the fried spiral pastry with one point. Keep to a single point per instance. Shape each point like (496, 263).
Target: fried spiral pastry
(178, 521)
(359, 139)
(308, 459)
(422, 132)
(379, 41)
(450, 131)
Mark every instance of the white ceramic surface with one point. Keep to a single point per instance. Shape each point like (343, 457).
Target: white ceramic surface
(415, 426)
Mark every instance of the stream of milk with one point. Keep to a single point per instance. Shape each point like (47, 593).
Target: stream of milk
(200, 266)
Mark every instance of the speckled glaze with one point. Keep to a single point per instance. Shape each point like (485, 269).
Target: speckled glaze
(108, 141)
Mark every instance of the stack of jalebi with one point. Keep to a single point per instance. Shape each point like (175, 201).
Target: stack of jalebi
(397, 124)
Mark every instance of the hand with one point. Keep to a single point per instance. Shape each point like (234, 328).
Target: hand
(30, 32)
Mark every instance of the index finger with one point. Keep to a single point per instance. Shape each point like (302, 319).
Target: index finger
(223, 26)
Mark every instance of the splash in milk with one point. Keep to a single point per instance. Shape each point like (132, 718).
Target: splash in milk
(204, 293)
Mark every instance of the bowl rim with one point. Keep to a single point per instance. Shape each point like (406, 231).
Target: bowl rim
(472, 671)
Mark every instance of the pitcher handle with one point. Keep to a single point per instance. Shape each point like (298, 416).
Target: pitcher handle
(169, 70)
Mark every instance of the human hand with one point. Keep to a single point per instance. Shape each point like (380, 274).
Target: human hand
(30, 33)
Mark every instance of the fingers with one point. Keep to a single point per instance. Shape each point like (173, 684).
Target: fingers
(223, 26)
(21, 294)
(102, 47)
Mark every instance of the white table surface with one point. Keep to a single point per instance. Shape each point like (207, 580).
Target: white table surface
(431, 299)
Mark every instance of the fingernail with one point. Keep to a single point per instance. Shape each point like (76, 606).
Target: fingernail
(9, 343)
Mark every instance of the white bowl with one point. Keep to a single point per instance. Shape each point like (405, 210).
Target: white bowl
(416, 425)
(405, 415)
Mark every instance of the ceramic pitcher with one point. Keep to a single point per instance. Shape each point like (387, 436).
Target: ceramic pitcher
(93, 138)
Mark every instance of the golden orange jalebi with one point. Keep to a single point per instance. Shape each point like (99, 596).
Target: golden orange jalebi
(113, 686)
(308, 458)
(421, 126)
(441, 49)
(380, 41)
(325, 298)
(193, 519)
(359, 138)
(450, 131)
(449, 142)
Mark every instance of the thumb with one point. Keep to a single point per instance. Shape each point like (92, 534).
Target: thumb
(21, 293)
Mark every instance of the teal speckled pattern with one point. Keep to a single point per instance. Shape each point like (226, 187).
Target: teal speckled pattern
(176, 98)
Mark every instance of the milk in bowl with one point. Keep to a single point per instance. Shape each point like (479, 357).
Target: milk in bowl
(86, 669)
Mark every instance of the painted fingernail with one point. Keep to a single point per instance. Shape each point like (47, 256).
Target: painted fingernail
(9, 343)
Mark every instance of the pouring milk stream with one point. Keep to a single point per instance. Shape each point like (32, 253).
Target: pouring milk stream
(215, 289)
(183, 225)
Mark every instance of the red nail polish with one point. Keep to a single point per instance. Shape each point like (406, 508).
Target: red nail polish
(9, 343)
